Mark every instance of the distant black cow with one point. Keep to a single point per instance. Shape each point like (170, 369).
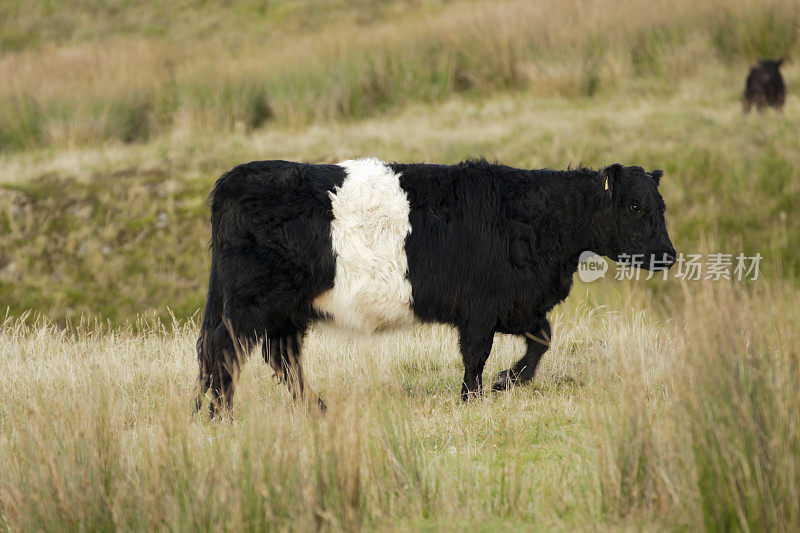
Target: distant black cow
(764, 87)
(370, 245)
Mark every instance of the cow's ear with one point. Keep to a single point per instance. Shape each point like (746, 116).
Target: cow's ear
(609, 177)
(656, 174)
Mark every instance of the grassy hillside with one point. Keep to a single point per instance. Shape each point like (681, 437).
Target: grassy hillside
(91, 71)
(122, 230)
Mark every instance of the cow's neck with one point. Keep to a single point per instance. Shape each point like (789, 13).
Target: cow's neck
(575, 210)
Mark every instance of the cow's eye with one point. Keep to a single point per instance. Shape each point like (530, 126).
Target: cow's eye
(635, 208)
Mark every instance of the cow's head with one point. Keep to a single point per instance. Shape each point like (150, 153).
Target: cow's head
(632, 227)
(770, 65)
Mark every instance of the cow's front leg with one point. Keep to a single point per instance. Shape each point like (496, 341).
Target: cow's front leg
(475, 348)
(538, 341)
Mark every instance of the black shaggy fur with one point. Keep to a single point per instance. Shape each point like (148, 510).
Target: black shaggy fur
(492, 249)
(270, 255)
(765, 86)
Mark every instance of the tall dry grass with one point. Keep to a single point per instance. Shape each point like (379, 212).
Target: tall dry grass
(718, 440)
(744, 413)
(295, 67)
(682, 417)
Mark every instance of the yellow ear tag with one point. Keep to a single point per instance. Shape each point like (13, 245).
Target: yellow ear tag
(606, 183)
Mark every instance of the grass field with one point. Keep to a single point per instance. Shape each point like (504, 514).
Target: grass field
(660, 404)
(638, 419)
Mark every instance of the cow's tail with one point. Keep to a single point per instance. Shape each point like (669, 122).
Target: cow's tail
(212, 318)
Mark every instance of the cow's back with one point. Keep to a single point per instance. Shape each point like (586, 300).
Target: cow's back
(370, 245)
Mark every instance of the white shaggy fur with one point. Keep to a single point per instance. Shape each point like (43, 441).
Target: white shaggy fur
(368, 234)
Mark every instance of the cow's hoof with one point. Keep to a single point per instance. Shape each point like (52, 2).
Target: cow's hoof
(470, 395)
(502, 381)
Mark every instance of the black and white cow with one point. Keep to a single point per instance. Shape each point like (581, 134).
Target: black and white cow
(370, 245)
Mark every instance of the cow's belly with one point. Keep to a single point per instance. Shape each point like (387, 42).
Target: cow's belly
(368, 233)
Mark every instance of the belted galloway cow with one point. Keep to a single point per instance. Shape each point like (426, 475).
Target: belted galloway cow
(370, 245)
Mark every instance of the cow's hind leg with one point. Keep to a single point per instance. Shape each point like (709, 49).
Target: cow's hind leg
(538, 341)
(224, 352)
(283, 352)
(219, 370)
